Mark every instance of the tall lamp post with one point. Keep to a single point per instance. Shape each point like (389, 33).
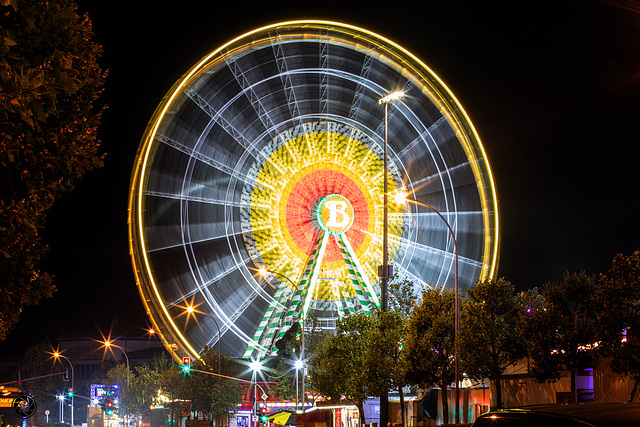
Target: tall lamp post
(401, 199)
(384, 271)
(60, 356)
(255, 367)
(191, 309)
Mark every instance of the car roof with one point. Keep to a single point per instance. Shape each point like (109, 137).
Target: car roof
(581, 414)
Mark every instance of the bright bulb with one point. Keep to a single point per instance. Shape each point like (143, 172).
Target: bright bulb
(263, 271)
(298, 364)
(255, 365)
(190, 309)
(400, 197)
(391, 97)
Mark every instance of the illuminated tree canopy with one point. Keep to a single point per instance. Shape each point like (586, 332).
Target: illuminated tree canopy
(49, 81)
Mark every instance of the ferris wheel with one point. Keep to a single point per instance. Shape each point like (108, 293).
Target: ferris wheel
(257, 196)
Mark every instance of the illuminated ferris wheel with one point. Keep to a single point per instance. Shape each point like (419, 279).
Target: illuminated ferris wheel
(257, 195)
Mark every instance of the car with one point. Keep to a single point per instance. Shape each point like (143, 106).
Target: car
(574, 415)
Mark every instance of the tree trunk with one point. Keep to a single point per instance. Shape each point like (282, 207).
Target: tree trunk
(498, 387)
(360, 406)
(445, 402)
(634, 389)
(384, 409)
(574, 391)
(402, 411)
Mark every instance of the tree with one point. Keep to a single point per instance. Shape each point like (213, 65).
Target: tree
(561, 334)
(337, 364)
(285, 380)
(402, 297)
(145, 383)
(211, 393)
(618, 316)
(49, 81)
(384, 360)
(489, 342)
(122, 377)
(37, 362)
(430, 344)
(175, 384)
(385, 364)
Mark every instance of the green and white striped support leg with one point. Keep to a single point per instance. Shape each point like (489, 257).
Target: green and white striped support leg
(336, 294)
(276, 307)
(313, 276)
(355, 269)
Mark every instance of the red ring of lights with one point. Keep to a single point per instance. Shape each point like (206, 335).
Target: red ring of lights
(301, 201)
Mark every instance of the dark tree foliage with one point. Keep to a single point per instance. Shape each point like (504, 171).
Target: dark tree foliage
(618, 323)
(430, 344)
(561, 334)
(338, 368)
(213, 394)
(384, 361)
(49, 81)
(489, 339)
(38, 362)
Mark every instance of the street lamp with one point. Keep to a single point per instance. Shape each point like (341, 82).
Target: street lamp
(401, 198)
(383, 273)
(255, 367)
(109, 344)
(61, 399)
(298, 365)
(191, 310)
(57, 355)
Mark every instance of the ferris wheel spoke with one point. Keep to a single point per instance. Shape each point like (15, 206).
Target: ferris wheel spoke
(420, 139)
(324, 75)
(219, 119)
(285, 77)
(248, 89)
(360, 87)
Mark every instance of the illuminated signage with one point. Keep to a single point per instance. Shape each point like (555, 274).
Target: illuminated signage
(335, 214)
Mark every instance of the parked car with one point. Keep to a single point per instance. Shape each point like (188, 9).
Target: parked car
(574, 415)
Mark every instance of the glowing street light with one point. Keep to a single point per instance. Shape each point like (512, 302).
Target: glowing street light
(391, 97)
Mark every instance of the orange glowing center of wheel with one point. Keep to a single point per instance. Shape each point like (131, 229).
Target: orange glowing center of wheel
(327, 200)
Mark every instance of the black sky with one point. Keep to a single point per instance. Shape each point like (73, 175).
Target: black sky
(552, 88)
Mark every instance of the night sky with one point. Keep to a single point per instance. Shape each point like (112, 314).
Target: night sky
(553, 92)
